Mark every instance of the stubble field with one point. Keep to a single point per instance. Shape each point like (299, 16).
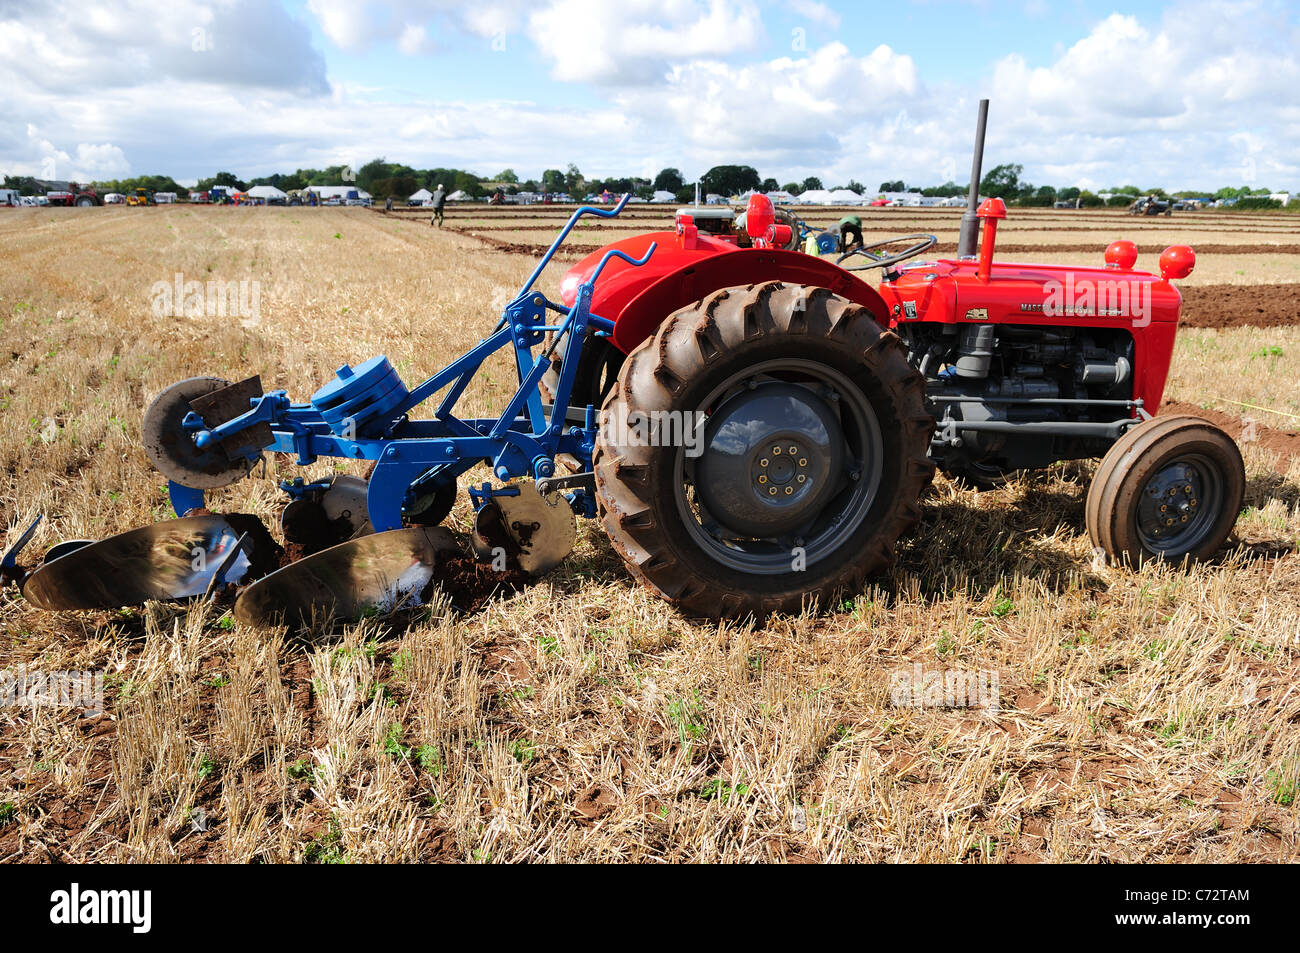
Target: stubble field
(1140, 716)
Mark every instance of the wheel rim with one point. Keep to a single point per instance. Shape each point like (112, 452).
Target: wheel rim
(1179, 505)
(845, 505)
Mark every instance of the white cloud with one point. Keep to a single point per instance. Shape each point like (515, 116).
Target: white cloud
(815, 11)
(1178, 102)
(587, 44)
(37, 156)
(356, 25)
(60, 47)
(670, 83)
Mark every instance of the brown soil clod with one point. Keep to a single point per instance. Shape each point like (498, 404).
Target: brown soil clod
(470, 584)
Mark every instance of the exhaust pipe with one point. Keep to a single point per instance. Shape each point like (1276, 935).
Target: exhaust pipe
(970, 222)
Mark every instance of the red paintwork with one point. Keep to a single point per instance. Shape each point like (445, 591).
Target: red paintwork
(638, 299)
(689, 265)
(759, 217)
(1122, 255)
(1177, 261)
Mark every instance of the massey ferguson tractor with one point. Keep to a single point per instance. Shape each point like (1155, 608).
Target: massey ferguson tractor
(754, 427)
(74, 194)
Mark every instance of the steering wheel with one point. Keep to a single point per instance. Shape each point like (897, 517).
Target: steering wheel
(885, 261)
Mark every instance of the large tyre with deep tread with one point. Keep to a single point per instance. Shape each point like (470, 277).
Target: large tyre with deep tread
(1169, 489)
(709, 342)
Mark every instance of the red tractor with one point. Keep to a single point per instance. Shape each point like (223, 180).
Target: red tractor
(80, 196)
(826, 404)
(768, 424)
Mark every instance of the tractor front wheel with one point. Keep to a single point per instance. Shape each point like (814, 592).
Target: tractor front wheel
(764, 450)
(1168, 489)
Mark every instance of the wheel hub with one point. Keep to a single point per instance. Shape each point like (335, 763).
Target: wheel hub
(773, 454)
(1171, 504)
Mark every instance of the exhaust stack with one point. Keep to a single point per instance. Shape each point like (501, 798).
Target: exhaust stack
(970, 221)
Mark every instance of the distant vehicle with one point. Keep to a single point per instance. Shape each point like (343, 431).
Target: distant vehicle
(10, 197)
(1150, 205)
(114, 198)
(140, 197)
(199, 198)
(31, 200)
(75, 195)
(1066, 203)
(881, 203)
(164, 198)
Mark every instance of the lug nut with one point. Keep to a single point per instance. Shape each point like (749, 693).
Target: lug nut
(776, 451)
(771, 491)
(1188, 488)
(763, 462)
(794, 450)
(762, 478)
(790, 489)
(801, 478)
(803, 461)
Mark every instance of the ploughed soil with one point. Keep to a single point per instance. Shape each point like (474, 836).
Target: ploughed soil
(1285, 443)
(1234, 306)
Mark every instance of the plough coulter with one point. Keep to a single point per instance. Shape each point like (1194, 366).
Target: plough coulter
(754, 427)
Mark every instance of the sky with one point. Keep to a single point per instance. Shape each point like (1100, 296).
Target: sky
(1181, 95)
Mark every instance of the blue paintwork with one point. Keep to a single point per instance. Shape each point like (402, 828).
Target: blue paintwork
(413, 455)
(183, 498)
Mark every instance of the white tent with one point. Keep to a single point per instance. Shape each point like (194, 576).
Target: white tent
(266, 193)
(845, 197)
(420, 197)
(815, 197)
(662, 196)
(460, 195)
(782, 197)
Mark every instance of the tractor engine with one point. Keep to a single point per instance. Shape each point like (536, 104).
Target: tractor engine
(1010, 397)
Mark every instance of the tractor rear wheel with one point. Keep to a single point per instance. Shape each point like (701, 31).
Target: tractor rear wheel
(1169, 489)
(597, 370)
(801, 451)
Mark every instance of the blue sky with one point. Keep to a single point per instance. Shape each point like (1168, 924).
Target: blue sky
(1189, 95)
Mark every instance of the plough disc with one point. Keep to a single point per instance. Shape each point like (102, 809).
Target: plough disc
(533, 531)
(334, 516)
(169, 447)
(167, 561)
(382, 572)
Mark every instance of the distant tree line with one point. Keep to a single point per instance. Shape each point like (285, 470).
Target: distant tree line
(383, 179)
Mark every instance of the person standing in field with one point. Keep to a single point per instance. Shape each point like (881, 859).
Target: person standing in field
(438, 200)
(850, 225)
(388, 204)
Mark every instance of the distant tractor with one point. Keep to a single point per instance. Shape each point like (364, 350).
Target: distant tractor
(140, 197)
(80, 196)
(1150, 205)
